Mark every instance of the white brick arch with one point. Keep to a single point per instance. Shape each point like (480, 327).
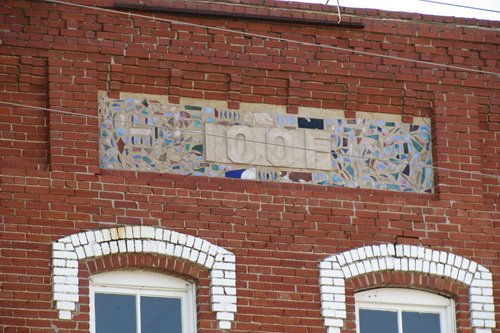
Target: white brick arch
(67, 251)
(404, 258)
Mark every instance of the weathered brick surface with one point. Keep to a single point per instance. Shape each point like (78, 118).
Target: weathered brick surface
(59, 56)
(23, 131)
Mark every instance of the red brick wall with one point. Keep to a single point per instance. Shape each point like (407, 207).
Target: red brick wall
(58, 56)
(23, 131)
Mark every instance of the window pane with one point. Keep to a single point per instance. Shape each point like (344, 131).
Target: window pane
(161, 315)
(374, 321)
(114, 313)
(417, 322)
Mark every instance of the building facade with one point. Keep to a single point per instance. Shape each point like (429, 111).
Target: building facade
(247, 166)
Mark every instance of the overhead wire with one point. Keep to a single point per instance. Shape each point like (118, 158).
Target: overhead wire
(148, 17)
(251, 34)
(406, 20)
(409, 20)
(460, 6)
(338, 11)
(449, 4)
(416, 21)
(393, 161)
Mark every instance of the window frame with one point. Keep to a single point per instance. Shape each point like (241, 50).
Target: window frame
(145, 283)
(397, 299)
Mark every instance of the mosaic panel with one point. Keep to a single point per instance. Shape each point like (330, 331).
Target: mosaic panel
(145, 135)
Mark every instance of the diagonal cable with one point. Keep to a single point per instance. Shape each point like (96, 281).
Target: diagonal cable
(251, 34)
(393, 161)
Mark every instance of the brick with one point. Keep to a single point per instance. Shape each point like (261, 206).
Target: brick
(52, 186)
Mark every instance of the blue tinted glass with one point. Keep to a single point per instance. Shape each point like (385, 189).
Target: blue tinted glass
(416, 322)
(375, 321)
(114, 313)
(161, 315)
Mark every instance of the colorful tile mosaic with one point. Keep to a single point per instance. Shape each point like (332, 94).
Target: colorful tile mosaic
(145, 135)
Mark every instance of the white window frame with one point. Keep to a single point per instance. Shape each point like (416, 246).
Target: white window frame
(144, 283)
(400, 300)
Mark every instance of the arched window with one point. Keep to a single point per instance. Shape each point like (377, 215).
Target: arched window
(398, 310)
(141, 302)
(69, 250)
(336, 269)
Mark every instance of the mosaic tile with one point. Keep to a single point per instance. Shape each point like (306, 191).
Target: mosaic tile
(145, 135)
(312, 123)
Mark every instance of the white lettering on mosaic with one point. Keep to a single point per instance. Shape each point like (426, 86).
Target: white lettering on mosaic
(302, 149)
(265, 144)
(277, 151)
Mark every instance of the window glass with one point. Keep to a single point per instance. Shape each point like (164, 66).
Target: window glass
(417, 322)
(398, 310)
(115, 313)
(141, 302)
(160, 315)
(374, 321)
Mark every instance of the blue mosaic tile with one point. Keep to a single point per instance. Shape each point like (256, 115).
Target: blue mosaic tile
(148, 136)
